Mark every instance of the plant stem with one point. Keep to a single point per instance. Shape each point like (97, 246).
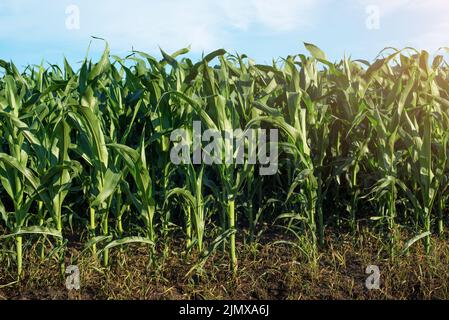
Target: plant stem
(320, 212)
(19, 256)
(105, 233)
(231, 216)
(92, 228)
(41, 223)
(119, 211)
(189, 227)
(440, 217)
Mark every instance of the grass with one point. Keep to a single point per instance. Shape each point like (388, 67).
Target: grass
(87, 153)
(266, 271)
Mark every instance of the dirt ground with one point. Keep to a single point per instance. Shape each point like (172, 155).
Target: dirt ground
(270, 270)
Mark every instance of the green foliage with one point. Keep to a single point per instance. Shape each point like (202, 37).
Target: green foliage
(359, 143)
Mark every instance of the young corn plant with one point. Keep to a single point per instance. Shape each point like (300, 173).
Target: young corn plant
(97, 139)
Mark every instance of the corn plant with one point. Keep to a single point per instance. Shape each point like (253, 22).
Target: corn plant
(89, 148)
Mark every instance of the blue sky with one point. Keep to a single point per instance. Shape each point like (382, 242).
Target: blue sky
(33, 30)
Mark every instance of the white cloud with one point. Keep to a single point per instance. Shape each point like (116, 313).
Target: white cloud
(210, 24)
(386, 6)
(278, 16)
(433, 39)
(203, 24)
(389, 7)
(428, 16)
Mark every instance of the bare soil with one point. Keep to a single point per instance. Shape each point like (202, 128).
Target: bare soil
(267, 270)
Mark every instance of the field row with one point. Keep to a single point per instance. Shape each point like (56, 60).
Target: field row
(352, 143)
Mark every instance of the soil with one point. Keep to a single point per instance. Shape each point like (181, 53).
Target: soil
(267, 270)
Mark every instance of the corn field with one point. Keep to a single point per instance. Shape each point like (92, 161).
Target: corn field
(86, 151)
